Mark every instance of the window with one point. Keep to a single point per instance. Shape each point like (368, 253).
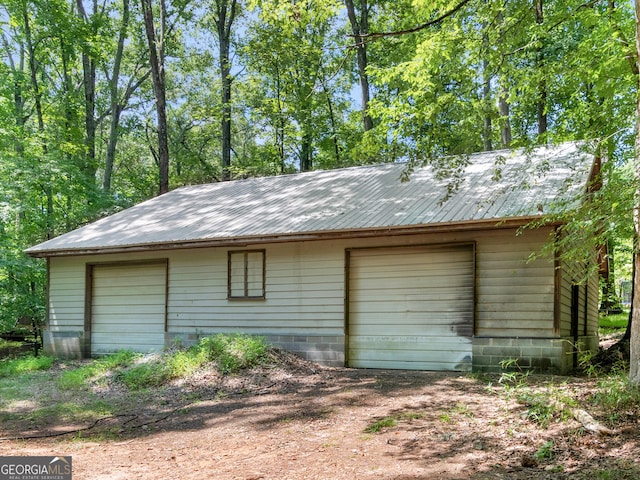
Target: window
(246, 274)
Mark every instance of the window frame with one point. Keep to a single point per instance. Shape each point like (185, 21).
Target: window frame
(245, 279)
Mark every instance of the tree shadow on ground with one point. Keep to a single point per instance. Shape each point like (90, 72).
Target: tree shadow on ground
(433, 418)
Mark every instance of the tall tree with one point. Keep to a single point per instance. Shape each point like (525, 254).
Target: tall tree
(541, 101)
(292, 50)
(156, 40)
(89, 83)
(119, 97)
(224, 16)
(634, 373)
(360, 28)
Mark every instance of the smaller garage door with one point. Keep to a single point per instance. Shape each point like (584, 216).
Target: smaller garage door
(128, 307)
(411, 308)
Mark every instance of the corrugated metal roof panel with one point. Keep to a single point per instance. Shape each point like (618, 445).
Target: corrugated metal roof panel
(358, 198)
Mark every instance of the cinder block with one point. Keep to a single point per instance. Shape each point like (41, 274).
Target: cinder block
(63, 344)
(501, 351)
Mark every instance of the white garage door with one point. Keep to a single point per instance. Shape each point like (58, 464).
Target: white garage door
(411, 308)
(128, 307)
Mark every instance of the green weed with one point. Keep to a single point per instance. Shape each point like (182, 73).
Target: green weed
(153, 373)
(78, 378)
(123, 358)
(234, 352)
(9, 343)
(231, 353)
(539, 410)
(547, 405)
(458, 410)
(545, 452)
(462, 410)
(19, 366)
(185, 362)
(445, 418)
(613, 323)
(392, 421)
(615, 392)
(386, 422)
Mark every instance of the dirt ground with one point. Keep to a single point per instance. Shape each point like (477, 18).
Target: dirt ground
(296, 420)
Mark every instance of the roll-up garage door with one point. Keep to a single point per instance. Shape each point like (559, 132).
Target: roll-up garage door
(411, 307)
(128, 307)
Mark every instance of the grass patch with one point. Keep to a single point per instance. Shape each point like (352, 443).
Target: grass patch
(19, 366)
(230, 353)
(386, 422)
(69, 411)
(456, 411)
(545, 452)
(146, 375)
(9, 343)
(616, 394)
(544, 405)
(613, 323)
(391, 421)
(80, 377)
(235, 352)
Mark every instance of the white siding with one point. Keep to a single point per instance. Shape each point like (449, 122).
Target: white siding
(588, 301)
(128, 308)
(305, 283)
(515, 296)
(304, 292)
(66, 294)
(411, 308)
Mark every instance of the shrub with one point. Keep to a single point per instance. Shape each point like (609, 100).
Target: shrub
(234, 352)
(78, 377)
(615, 392)
(22, 365)
(145, 375)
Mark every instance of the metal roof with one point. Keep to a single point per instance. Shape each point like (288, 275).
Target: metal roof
(495, 186)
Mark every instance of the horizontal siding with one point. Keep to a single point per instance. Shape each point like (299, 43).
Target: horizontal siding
(588, 303)
(305, 286)
(593, 305)
(66, 294)
(515, 296)
(128, 308)
(409, 306)
(304, 293)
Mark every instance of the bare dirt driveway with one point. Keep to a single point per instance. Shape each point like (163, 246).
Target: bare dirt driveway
(301, 421)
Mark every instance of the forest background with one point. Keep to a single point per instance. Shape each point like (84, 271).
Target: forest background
(105, 103)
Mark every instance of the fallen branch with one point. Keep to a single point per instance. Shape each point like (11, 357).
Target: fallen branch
(126, 424)
(68, 432)
(588, 422)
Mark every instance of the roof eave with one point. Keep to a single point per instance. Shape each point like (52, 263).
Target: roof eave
(291, 237)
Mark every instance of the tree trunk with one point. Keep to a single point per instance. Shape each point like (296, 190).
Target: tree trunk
(89, 82)
(634, 322)
(361, 28)
(627, 333)
(225, 77)
(116, 108)
(18, 96)
(281, 124)
(634, 373)
(33, 71)
(486, 99)
(505, 129)
(306, 162)
(156, 57)
(610, 301)
(225, 15)
(541, 104)
(334, 128)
